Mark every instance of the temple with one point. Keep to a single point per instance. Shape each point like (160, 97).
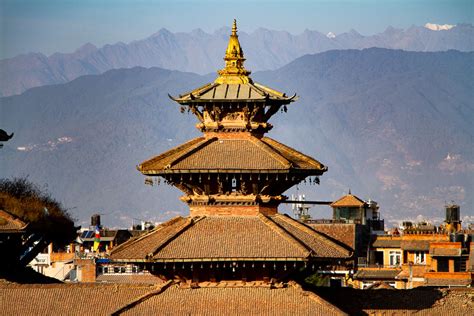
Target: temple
(233, 178)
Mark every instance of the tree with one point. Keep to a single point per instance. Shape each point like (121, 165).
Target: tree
(48, 221)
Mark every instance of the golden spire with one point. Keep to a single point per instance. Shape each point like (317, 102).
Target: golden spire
(234, 71)
(234, 28)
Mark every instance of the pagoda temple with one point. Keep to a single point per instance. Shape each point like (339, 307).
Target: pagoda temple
(233, 178)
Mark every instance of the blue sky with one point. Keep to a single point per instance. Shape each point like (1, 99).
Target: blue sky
(62, 26)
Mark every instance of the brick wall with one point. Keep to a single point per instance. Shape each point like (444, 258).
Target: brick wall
(86, 271)
(61, 256)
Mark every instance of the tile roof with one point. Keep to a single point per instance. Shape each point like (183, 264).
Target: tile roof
(376, 274)
(232, 92)
(418, 271)
(249, 153)
(140, 299)
(290, 300)
(447, 281)
(386, 243)
(419, 301)
(348, 200)
(67, 299)
(320, 245)
(416, 245)
(345, 233)
(230, 237)
(9, 223)
(138, 278)
(445, 252)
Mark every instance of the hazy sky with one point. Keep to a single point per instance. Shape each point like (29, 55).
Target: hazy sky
(64, 25)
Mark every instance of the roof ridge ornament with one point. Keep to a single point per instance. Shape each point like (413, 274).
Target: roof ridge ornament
(234, 71)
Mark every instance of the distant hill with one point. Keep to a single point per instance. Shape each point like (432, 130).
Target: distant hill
(391, 125)
(202, 53)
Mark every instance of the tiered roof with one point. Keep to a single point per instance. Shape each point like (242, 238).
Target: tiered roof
(236, 92)
(233, 208)
(227, 298)
(222, 238)
(231, 155)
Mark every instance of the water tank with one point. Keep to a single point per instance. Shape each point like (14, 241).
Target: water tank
(452, 213)
(95, 220)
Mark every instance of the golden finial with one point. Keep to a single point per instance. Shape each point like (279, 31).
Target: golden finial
(234, 71)
(234, 28)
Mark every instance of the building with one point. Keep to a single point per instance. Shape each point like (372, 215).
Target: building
(353, 223)
(421, 255)
(233, 178)
(76, 262)
(351, 209)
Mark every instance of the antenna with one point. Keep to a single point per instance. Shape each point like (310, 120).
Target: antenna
(300, 209)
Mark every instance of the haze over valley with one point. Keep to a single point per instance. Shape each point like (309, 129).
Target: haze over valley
(392, 125)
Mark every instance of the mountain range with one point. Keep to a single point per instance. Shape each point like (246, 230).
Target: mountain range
(202, 53)
(392, 125)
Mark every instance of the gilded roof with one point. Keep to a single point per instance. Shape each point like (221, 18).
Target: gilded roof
(348, 200)
(235, 92)
(233, 83)
(230, 237)
(249, 153)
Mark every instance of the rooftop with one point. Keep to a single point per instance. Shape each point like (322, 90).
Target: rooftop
(227, 299)
(348, 200)
(235, 238)
(141, 299)
(230, 155)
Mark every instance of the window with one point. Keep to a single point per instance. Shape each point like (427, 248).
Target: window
(420, 257)
(395, 258)
(443, 265)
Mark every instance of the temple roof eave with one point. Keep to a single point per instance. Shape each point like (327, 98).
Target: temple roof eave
(203, 101)
(307, 172)
(247, 92)
(214, 155)
(225, 259)
(182, 239)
